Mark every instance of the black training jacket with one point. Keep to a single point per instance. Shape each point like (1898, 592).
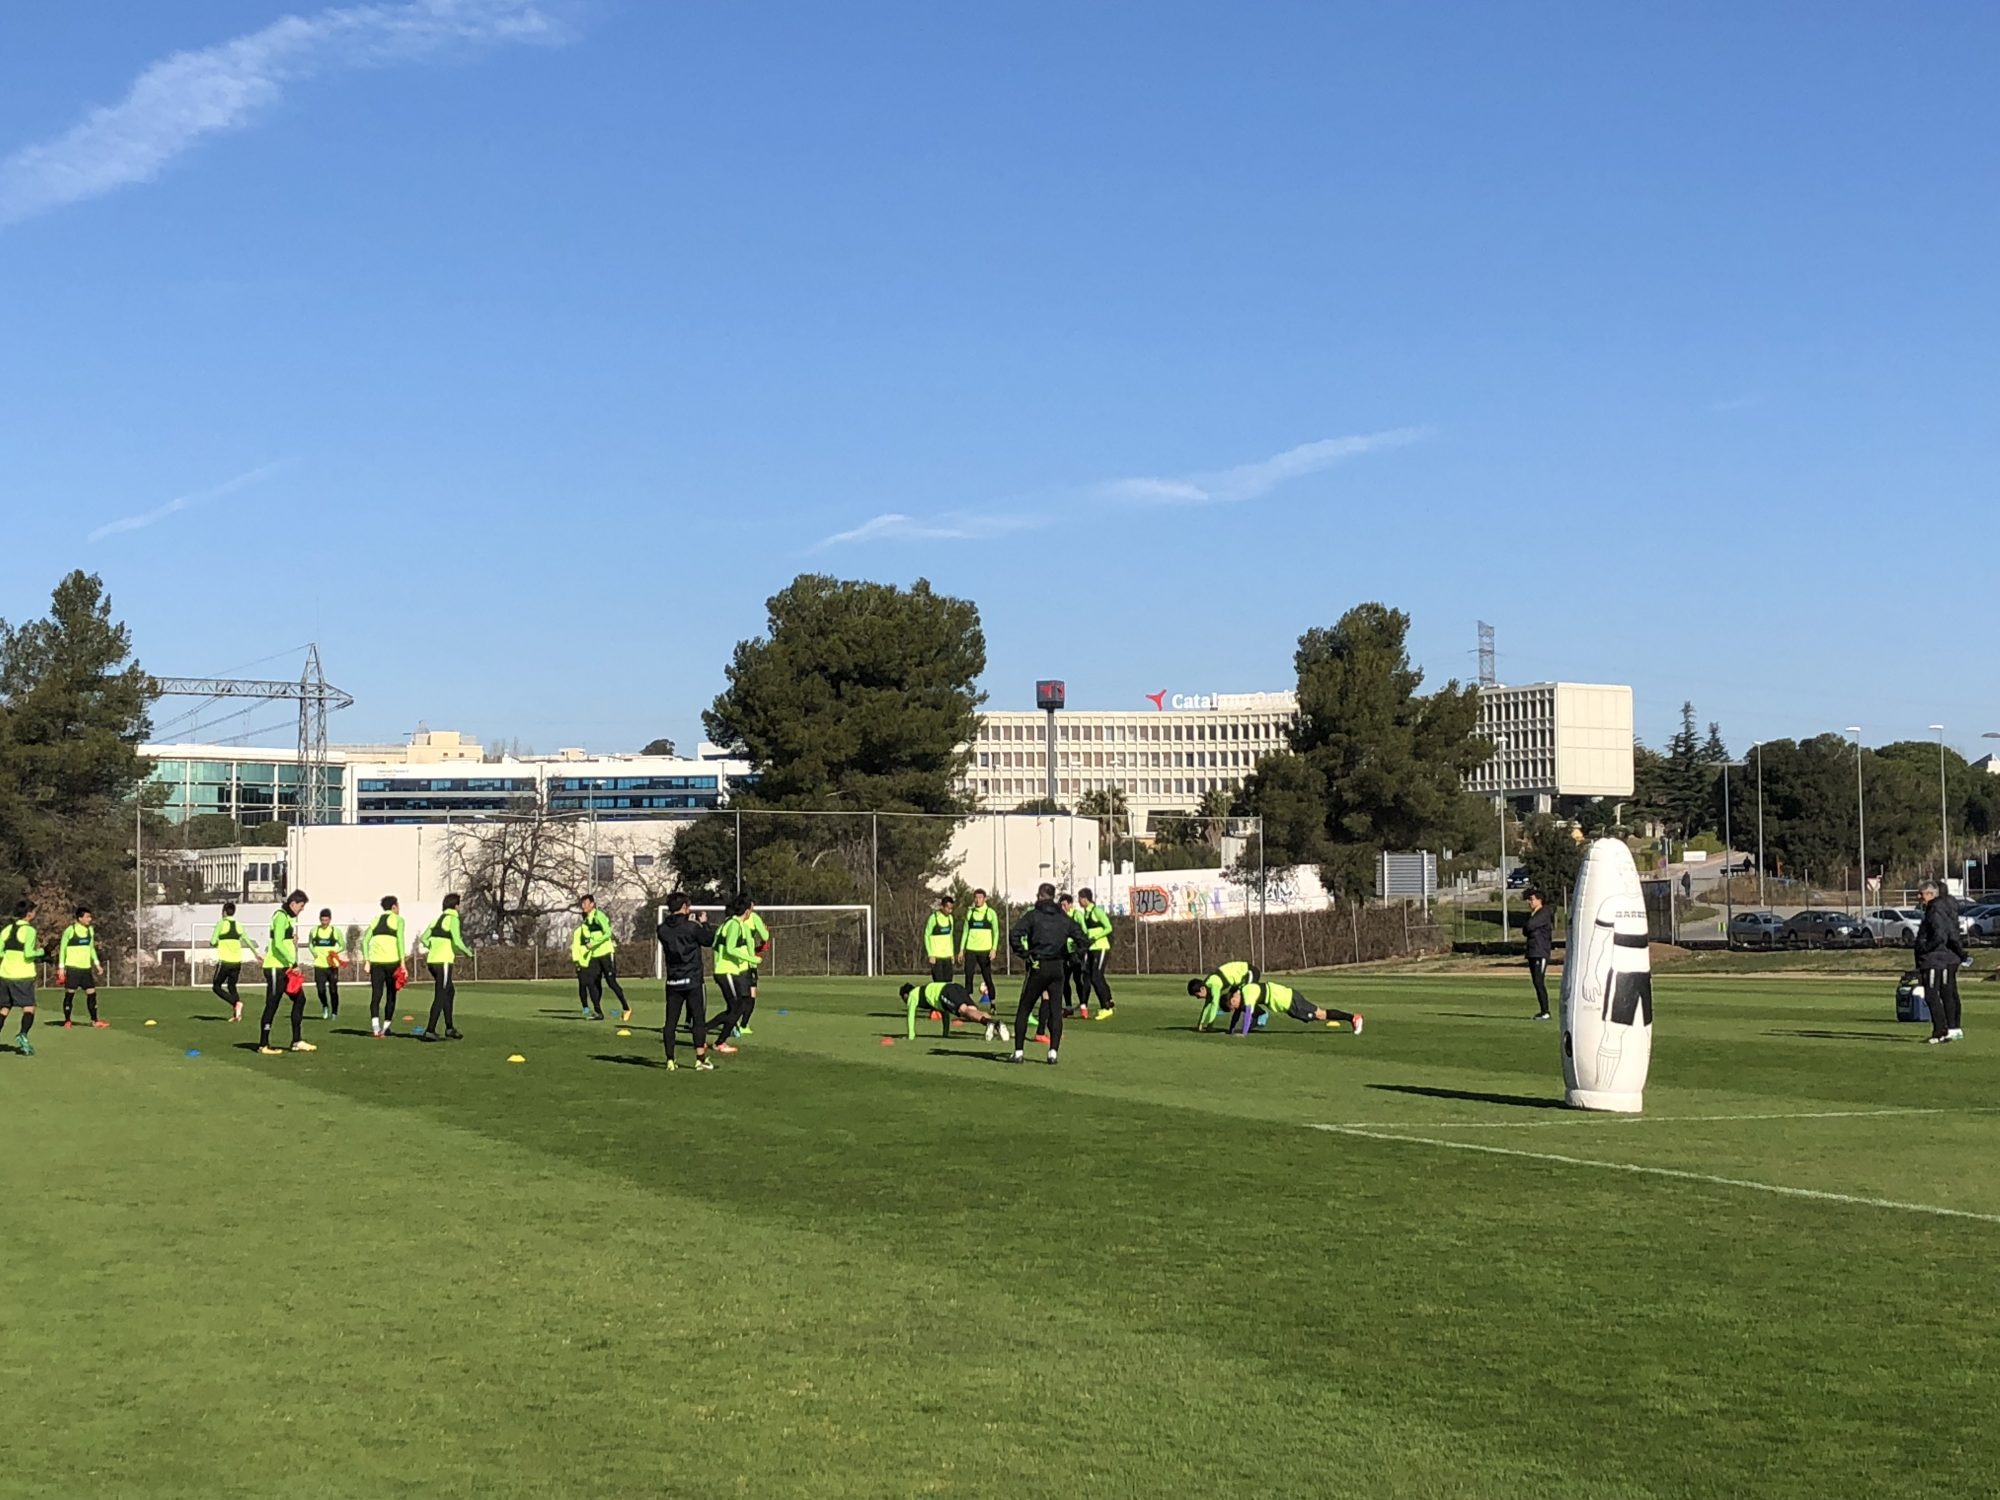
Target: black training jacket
(1939, 945)
(681, 941)
(1045, 934)
(1541, 930)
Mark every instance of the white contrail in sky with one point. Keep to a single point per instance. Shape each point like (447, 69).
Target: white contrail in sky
(180, 503)
(184, 97)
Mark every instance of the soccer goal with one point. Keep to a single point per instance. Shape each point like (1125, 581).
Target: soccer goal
(805, 939)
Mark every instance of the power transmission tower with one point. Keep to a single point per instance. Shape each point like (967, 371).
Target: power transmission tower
(316, 698)
(1488, 677)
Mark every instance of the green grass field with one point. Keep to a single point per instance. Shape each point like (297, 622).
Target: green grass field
(835, 1268)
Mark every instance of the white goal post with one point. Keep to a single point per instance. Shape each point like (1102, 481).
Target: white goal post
(784, 933)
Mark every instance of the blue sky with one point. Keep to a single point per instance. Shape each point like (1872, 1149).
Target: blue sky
(517, 350)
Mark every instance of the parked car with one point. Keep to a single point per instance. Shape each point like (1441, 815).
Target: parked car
(1892, 924)
(1757, 929)
(1828, 929)
(1517, 877)
(1981, 921)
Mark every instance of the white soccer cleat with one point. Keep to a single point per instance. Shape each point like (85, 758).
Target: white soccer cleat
(1956, 1034)
(1006, 1034)
(989, 1031)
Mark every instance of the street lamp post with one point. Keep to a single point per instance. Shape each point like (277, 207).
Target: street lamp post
(1860, 825)
(1944, 812)
(1760, 824)
(1728, 848)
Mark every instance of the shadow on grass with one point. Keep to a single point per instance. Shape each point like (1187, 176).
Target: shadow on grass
(1472, 1096)
(993, 1057)
(208, 1018)
(1485, 1015)
(1846, 1036)
(629, 1059)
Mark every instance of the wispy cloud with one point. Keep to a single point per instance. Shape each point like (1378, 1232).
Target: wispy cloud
(1248, 481)
(179, 100)
(1739, 403)
(180, 503)
(953, 527)
(1244, 482)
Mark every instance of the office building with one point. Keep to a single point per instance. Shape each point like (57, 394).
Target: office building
(1555, 739)
(250, 786)
(1164, 758)
(427, 747)
(606, 787)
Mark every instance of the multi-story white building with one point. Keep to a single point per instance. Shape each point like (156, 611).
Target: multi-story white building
(609, 787)
(1164, 758)
(1556, 739)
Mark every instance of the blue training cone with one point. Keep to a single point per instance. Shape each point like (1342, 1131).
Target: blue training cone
(194, 1052)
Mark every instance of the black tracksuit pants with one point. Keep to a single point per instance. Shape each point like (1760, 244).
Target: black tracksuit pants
(979, 974)
(444, 997)
(686, 993)
(735, 997)
(1095, 984)
(223, 985)
(382, 991)
(1044, 983)
(604, 973)
(274, 994)
(326, 984)
(1941, 995)
(1538, 970)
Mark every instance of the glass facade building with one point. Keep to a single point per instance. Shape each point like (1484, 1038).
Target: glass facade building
(248, 786)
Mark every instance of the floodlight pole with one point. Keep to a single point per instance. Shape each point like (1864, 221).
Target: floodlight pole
(1944, 812)
(1761, 901)
(1860, 825)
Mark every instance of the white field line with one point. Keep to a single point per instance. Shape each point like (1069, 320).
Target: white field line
(1599, 1118)
(1816, 1194)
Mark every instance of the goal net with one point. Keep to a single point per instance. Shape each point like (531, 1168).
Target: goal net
(805, 939)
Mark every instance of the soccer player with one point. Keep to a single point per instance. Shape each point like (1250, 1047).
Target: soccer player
(976, 945)
(940, 940)
(1211, 991)
(1045, 937)
(1072, 979)
(281, 962)
(760, 944)
(604, 956)
(953, 1002)
(381, 958)
(229, 941)
(682, 937)
(1096, 924)
(1243, 1004)
(589, 988)
(1541, 935)
(444, 942)
(735, 954)
(76, 963)
(20, 951)
(324, 941)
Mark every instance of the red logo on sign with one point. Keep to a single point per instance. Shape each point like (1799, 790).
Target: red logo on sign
(1158, 700)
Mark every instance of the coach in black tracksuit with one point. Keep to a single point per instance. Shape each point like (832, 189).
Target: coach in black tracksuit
(1045, 937)
(1541, 933)
(1939, 950)
(681, 940)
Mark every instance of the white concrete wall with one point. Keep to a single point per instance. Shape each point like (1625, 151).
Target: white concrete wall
(1008, 856)
(1593, 740)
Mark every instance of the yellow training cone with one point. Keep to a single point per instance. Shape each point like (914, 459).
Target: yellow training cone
(152, 1023)
(517, 1058)
(623, 1031)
